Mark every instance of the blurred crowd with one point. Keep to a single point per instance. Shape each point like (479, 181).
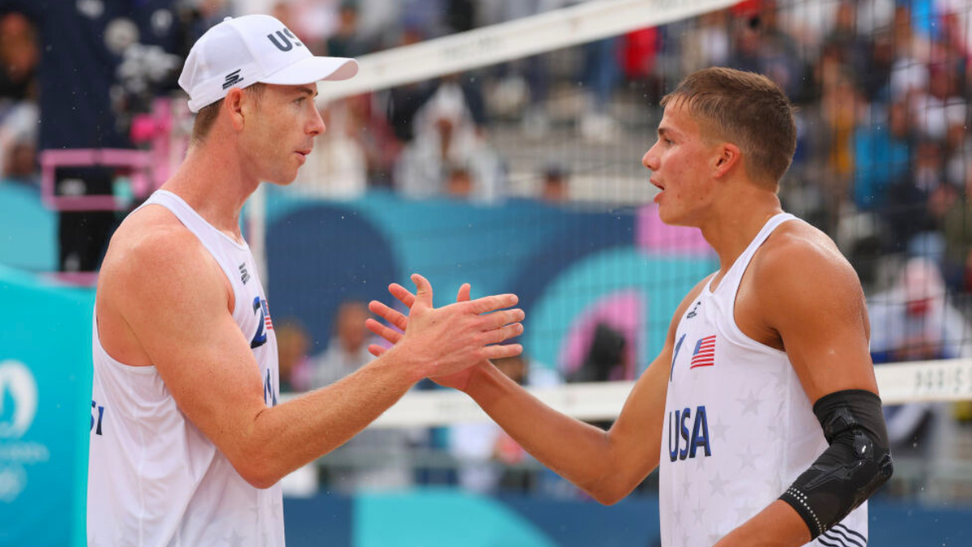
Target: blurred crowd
(883, 164)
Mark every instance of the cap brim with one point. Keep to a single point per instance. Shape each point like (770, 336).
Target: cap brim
(314, 69)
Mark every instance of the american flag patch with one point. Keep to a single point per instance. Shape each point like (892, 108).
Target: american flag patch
(266, 316)
(704, 354)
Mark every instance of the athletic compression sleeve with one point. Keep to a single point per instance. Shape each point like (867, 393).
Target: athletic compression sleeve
(857, 463)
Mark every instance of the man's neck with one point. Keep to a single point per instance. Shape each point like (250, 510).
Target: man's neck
(735, 222)
(214, 186)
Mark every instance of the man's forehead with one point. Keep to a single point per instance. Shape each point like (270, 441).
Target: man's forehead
(675, 119)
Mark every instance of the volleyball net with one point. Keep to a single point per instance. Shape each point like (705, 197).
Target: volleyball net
(509, 156)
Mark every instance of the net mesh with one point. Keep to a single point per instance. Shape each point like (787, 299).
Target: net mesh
(519, 171)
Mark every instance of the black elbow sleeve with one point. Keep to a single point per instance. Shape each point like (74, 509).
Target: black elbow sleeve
(855, 465)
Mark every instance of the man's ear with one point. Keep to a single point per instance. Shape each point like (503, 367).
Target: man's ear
(233, 104)
(728, 156)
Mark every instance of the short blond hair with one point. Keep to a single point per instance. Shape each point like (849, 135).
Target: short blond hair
(744, 108)
(207, 115)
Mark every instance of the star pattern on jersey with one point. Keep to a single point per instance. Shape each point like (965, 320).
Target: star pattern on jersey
(699, 512)
(685, 537)
(717, 485)
(719, 430)
(748, 458)
(750, 404)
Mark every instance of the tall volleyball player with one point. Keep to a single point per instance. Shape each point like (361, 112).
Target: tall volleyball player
(191, 442)
(762, 410)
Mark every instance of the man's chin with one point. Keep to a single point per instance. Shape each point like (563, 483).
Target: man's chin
(670, 219)
(285, 180)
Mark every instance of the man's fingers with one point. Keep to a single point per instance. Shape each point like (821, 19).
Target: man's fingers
(464, 292)
(492, 303)
(502, 352)
(423, 290)
(377, 350)
(385, 332)
(393, 316)
(497, 319)
(505, 333)
(403, 295)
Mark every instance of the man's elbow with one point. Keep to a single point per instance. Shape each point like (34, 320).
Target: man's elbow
(607, 498)
(261, 480)
(610, 493)
(257, 470)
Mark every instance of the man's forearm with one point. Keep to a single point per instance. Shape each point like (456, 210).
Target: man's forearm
(579, 452)
(295, 433)
(776, 526)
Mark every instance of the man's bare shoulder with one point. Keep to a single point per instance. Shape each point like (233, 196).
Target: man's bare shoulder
(800, 259)
(798, 240)
(150, 247)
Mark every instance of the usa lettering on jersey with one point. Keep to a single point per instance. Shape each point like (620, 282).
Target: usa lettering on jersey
(684, 444)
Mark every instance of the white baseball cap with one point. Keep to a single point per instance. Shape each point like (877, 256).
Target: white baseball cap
(255, 48)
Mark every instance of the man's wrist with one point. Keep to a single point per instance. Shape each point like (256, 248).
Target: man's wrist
(412, 368)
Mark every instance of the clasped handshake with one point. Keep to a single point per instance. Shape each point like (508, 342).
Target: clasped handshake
(447, 341)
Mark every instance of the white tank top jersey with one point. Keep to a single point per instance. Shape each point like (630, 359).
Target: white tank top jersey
(154, 480)
(739, 428)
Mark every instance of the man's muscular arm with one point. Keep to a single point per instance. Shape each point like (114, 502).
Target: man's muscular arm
(607, 465)
(174, 300)
(810, 296)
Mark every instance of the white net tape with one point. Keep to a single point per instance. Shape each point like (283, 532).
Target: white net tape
(946, 380)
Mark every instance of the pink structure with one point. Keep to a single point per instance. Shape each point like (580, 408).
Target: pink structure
(136, 160)
(624, 312)
(147, 169)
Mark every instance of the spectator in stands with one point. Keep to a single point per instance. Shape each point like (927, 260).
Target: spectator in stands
(18, 98)
(882, 155)
(446, 134)
(347, 351)
(293, 343)
(914, 321)
(346, 41)
(18, 58)
(607, 358)
(908, 214)
(555, 188)
(843, 40)
(20, 165)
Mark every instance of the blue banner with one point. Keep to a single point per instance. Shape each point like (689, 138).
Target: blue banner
(45, 395)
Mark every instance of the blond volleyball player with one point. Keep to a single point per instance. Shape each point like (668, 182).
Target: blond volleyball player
(761, 411)
(191, 442)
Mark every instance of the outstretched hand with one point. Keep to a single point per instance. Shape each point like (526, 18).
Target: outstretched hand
(451, 338)
(458, 380)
